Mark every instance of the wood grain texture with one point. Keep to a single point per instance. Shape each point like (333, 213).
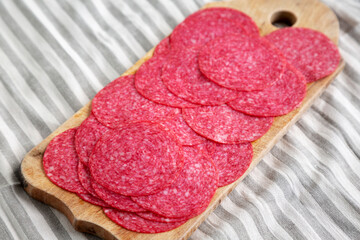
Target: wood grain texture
(86, 217)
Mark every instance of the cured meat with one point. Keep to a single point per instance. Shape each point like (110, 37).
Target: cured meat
(310, 51)
(191, 192)
(92, 199)
(87, 134)
(225, 125)
(85, 178)
(115, 200)
(119, 103)
(207, 24)
(231, 160)
(162, 48)
(134, 222)
(60, 162)
(138, 159)
(155, 217)
(148, 83)
(181, 75)
(185, 135)
(241, 62)
(281, 98)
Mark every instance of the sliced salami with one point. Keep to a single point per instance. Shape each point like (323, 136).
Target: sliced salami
(115, 200)
(310, 51)
(231, 160)
(87, 134)
(134, 222)
(138, 159)
(185, 135)
(191, 192)
(119, 103)
(224, 125)
(158, 218)
(85, 178)
(241, 62)
(207, 24)
(162, 48)
(60, 162)
(92, 199)
(148, 83)
(181, 75)
(281, 98)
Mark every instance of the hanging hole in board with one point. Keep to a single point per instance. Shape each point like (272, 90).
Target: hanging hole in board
(283, 19)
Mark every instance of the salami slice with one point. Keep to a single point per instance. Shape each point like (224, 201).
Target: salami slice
(119, 103)
(207, 24)
(85, 178)
(310, 51)
(181, 75)
(282, 97)
(115, 200)
(231, 160)
(60, 162)
(138, 159)
(185, 135)
(134, 222)
(225, 125)
(158, 218)
(148, 83)
(241, 62)
(191, 192)
(87, 134)
(162, 48)
(92, 199)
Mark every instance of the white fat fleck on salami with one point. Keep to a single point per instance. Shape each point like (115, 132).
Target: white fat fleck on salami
(119, 103)
(115, 200)
(149, 84)
(158, 218)
(60, 162)
(282, 97)
(224, 125)
(181, 75)
(134, 222)
(231, 160)
(207, 24)
(183, 132)
(87, 134)
(162, 48)
(241, 62)
(191, 192)
(310, 51)
(137, 159)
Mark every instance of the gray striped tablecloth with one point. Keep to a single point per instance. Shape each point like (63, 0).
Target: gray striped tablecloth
(54, 57)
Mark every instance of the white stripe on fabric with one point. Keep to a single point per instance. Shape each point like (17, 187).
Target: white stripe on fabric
(140, 24)
(306, 198)
(49, 53)
(22, 88)
(83, 41)
(118, 26)
(265, 211)
(105, 39)
(41, 223)
(154, 14)
(283, 203)
(53, 31)
(35, 69)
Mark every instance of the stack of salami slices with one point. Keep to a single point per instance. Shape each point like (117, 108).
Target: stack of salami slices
(159, 143)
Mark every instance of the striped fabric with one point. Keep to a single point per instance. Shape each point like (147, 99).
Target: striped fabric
(54, 57)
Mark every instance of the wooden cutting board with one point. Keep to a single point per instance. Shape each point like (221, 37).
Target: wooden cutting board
(86, 217)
